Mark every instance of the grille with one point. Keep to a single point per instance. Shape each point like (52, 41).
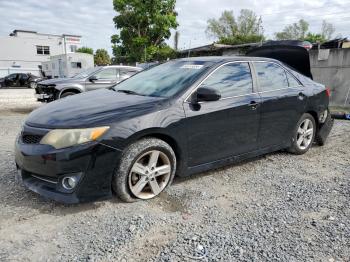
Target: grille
(31, 139)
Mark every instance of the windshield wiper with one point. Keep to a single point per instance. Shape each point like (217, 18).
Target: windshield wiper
(130, 92)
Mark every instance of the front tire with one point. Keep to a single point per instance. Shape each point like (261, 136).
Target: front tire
(146, 168)
(65, 94)
(304, 135)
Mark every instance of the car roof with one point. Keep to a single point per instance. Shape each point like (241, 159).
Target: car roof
(223, 59)
(122, 66)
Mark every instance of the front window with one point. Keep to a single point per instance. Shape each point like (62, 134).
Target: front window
(87, 72)
(165, 80)
(109, 74)
(233, 79)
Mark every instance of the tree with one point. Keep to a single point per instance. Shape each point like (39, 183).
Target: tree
(86, 50)
(295, 31)
(102, 57)
(299, 31)
(247, 28)
(327, 30)
(314, 38)
(143, 28)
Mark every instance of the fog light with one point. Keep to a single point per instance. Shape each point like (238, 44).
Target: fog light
(69, 182)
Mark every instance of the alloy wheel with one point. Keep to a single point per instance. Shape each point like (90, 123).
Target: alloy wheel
(305, 134)
(150, 174)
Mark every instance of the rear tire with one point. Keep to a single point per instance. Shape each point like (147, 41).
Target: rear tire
(303, 135)
(146, 168)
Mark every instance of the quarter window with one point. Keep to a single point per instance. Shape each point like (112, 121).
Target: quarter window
(233, 79)
(109, 73)
(42, 50)
(291, 80)
(271, 76)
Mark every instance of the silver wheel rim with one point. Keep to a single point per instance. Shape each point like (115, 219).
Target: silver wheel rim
(305, 134)
(150, 174)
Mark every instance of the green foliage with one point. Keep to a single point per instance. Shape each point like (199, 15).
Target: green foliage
(86, 50)
(144, 26)
(314, 38)
(299, 31)
(246, 29)
(295, 31)
(101, 57)
(242, 39)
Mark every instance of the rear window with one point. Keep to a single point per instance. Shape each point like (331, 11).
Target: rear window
(270, 76)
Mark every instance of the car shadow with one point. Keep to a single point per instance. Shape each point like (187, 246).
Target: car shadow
(179, 179)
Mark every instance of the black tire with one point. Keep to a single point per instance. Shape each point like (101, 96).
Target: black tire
(65, 94)
(294, 148)
(120, 183)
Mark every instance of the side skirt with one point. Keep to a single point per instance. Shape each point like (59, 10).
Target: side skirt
(231, 160)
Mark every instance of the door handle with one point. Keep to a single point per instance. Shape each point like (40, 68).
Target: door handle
(253, 105)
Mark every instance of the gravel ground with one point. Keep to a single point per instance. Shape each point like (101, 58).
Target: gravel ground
(276, 207)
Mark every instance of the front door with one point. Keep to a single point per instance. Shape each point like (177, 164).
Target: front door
(227, 127)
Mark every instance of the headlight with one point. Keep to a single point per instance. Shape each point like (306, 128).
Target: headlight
(60, 138)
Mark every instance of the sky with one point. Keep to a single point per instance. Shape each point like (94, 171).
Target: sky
(93, 19)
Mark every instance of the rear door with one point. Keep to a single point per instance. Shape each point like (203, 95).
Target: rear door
(23, 79)
(283, 103)
(105, 78)
(227, 127)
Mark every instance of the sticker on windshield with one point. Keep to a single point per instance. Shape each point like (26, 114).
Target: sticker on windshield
(192, 66)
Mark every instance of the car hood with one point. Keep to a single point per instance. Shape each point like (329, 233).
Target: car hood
(294, 56)
(90, 109)
(58, 81)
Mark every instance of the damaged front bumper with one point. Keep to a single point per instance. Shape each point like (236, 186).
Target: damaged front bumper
(45, 93)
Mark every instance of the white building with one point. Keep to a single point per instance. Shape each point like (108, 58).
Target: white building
(25, 51)
(67, 65)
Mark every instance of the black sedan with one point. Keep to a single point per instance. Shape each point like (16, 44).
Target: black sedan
(182, 117)
(19, 80)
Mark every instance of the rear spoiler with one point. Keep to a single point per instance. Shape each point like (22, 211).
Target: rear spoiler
(296, 57)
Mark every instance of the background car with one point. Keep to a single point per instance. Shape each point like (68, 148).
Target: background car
(19, 80)
(90, 79)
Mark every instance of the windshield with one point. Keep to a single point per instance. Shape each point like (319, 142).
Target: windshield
(164, 80)
(87, 72)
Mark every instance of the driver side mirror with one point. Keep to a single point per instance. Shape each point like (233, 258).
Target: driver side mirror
(207, 94)
(93, 78)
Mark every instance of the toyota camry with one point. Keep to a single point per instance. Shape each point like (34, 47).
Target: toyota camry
(179, 118)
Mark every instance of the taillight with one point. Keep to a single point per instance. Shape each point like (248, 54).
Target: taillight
(328, 91)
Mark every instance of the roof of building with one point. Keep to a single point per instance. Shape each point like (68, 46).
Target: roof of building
(35, 32)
